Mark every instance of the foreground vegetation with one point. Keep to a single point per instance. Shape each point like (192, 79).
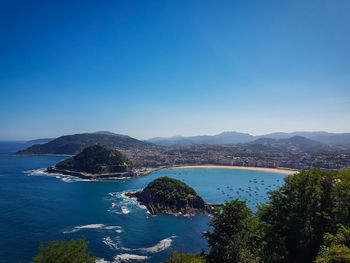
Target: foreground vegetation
(73, 251)
(306, 220)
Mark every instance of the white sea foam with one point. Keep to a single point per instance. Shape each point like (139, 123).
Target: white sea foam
(101, 260)
(129, 258)
(162, 245)
(91, 226)
(133, 199)
(64, 178)
(35, 172)
(125, 210)
(121, 204)
(110, 243)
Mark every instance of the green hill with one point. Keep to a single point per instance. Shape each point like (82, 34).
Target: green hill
(96, 159)
(168, 195)
(73, 144)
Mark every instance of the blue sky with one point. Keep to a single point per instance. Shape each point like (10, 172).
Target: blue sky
(160, 68)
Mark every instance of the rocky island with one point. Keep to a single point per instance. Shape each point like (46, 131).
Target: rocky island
(168, 195)
(94, 162)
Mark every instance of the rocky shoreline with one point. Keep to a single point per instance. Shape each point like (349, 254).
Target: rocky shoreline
(135, 173)
(82, 175)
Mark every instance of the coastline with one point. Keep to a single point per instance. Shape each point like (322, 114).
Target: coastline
(262, 169)
(147, 171)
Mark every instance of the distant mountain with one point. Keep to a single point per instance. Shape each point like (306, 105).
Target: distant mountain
(297, 144)
(236, 138)
(46, 140)
(219, 139)
(324, 137)
(40, 141)
(73, 144)
(111, 133)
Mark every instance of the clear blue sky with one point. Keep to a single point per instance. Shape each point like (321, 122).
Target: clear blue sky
(160, 68)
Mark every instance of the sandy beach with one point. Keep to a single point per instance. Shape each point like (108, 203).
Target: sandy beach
(274, 170)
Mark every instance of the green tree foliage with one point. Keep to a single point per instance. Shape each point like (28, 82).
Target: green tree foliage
(73, 251)
(236, 234)
(308, 205)
(178, 257)
(336, 247)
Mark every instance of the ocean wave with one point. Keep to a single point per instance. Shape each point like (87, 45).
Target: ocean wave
(67, 178)
(92, 226)
(111, 243)
(64, 178)
(162, 245)
(129, 258)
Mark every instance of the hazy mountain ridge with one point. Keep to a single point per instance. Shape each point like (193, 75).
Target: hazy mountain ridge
(236, 137)
(222, 138)
(40, 141)
(298, 144)
(73, 144)
(46, 140)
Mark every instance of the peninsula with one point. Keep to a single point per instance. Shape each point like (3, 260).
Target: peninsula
(168, 195)
(94, 162)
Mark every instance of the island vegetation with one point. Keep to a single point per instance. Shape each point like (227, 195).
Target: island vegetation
(168, 195)
(94, 160)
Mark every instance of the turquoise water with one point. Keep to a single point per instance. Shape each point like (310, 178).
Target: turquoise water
(36, 207)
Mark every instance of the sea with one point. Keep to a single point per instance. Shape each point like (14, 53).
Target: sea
(36, 207)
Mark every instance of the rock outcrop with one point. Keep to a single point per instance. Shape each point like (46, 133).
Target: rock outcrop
(167, 195)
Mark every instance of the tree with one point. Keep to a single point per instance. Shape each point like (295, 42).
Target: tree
(336, 248)
(73, 251)
(308, 205)
(179, 257)
(236, 234)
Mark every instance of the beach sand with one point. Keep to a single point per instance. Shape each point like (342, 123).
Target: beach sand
(273, 170)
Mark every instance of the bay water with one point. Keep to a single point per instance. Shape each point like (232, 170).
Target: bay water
(36, 207)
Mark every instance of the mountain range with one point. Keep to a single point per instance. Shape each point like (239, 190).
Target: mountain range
(227, 138)
(310, 142)
(296, 144)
